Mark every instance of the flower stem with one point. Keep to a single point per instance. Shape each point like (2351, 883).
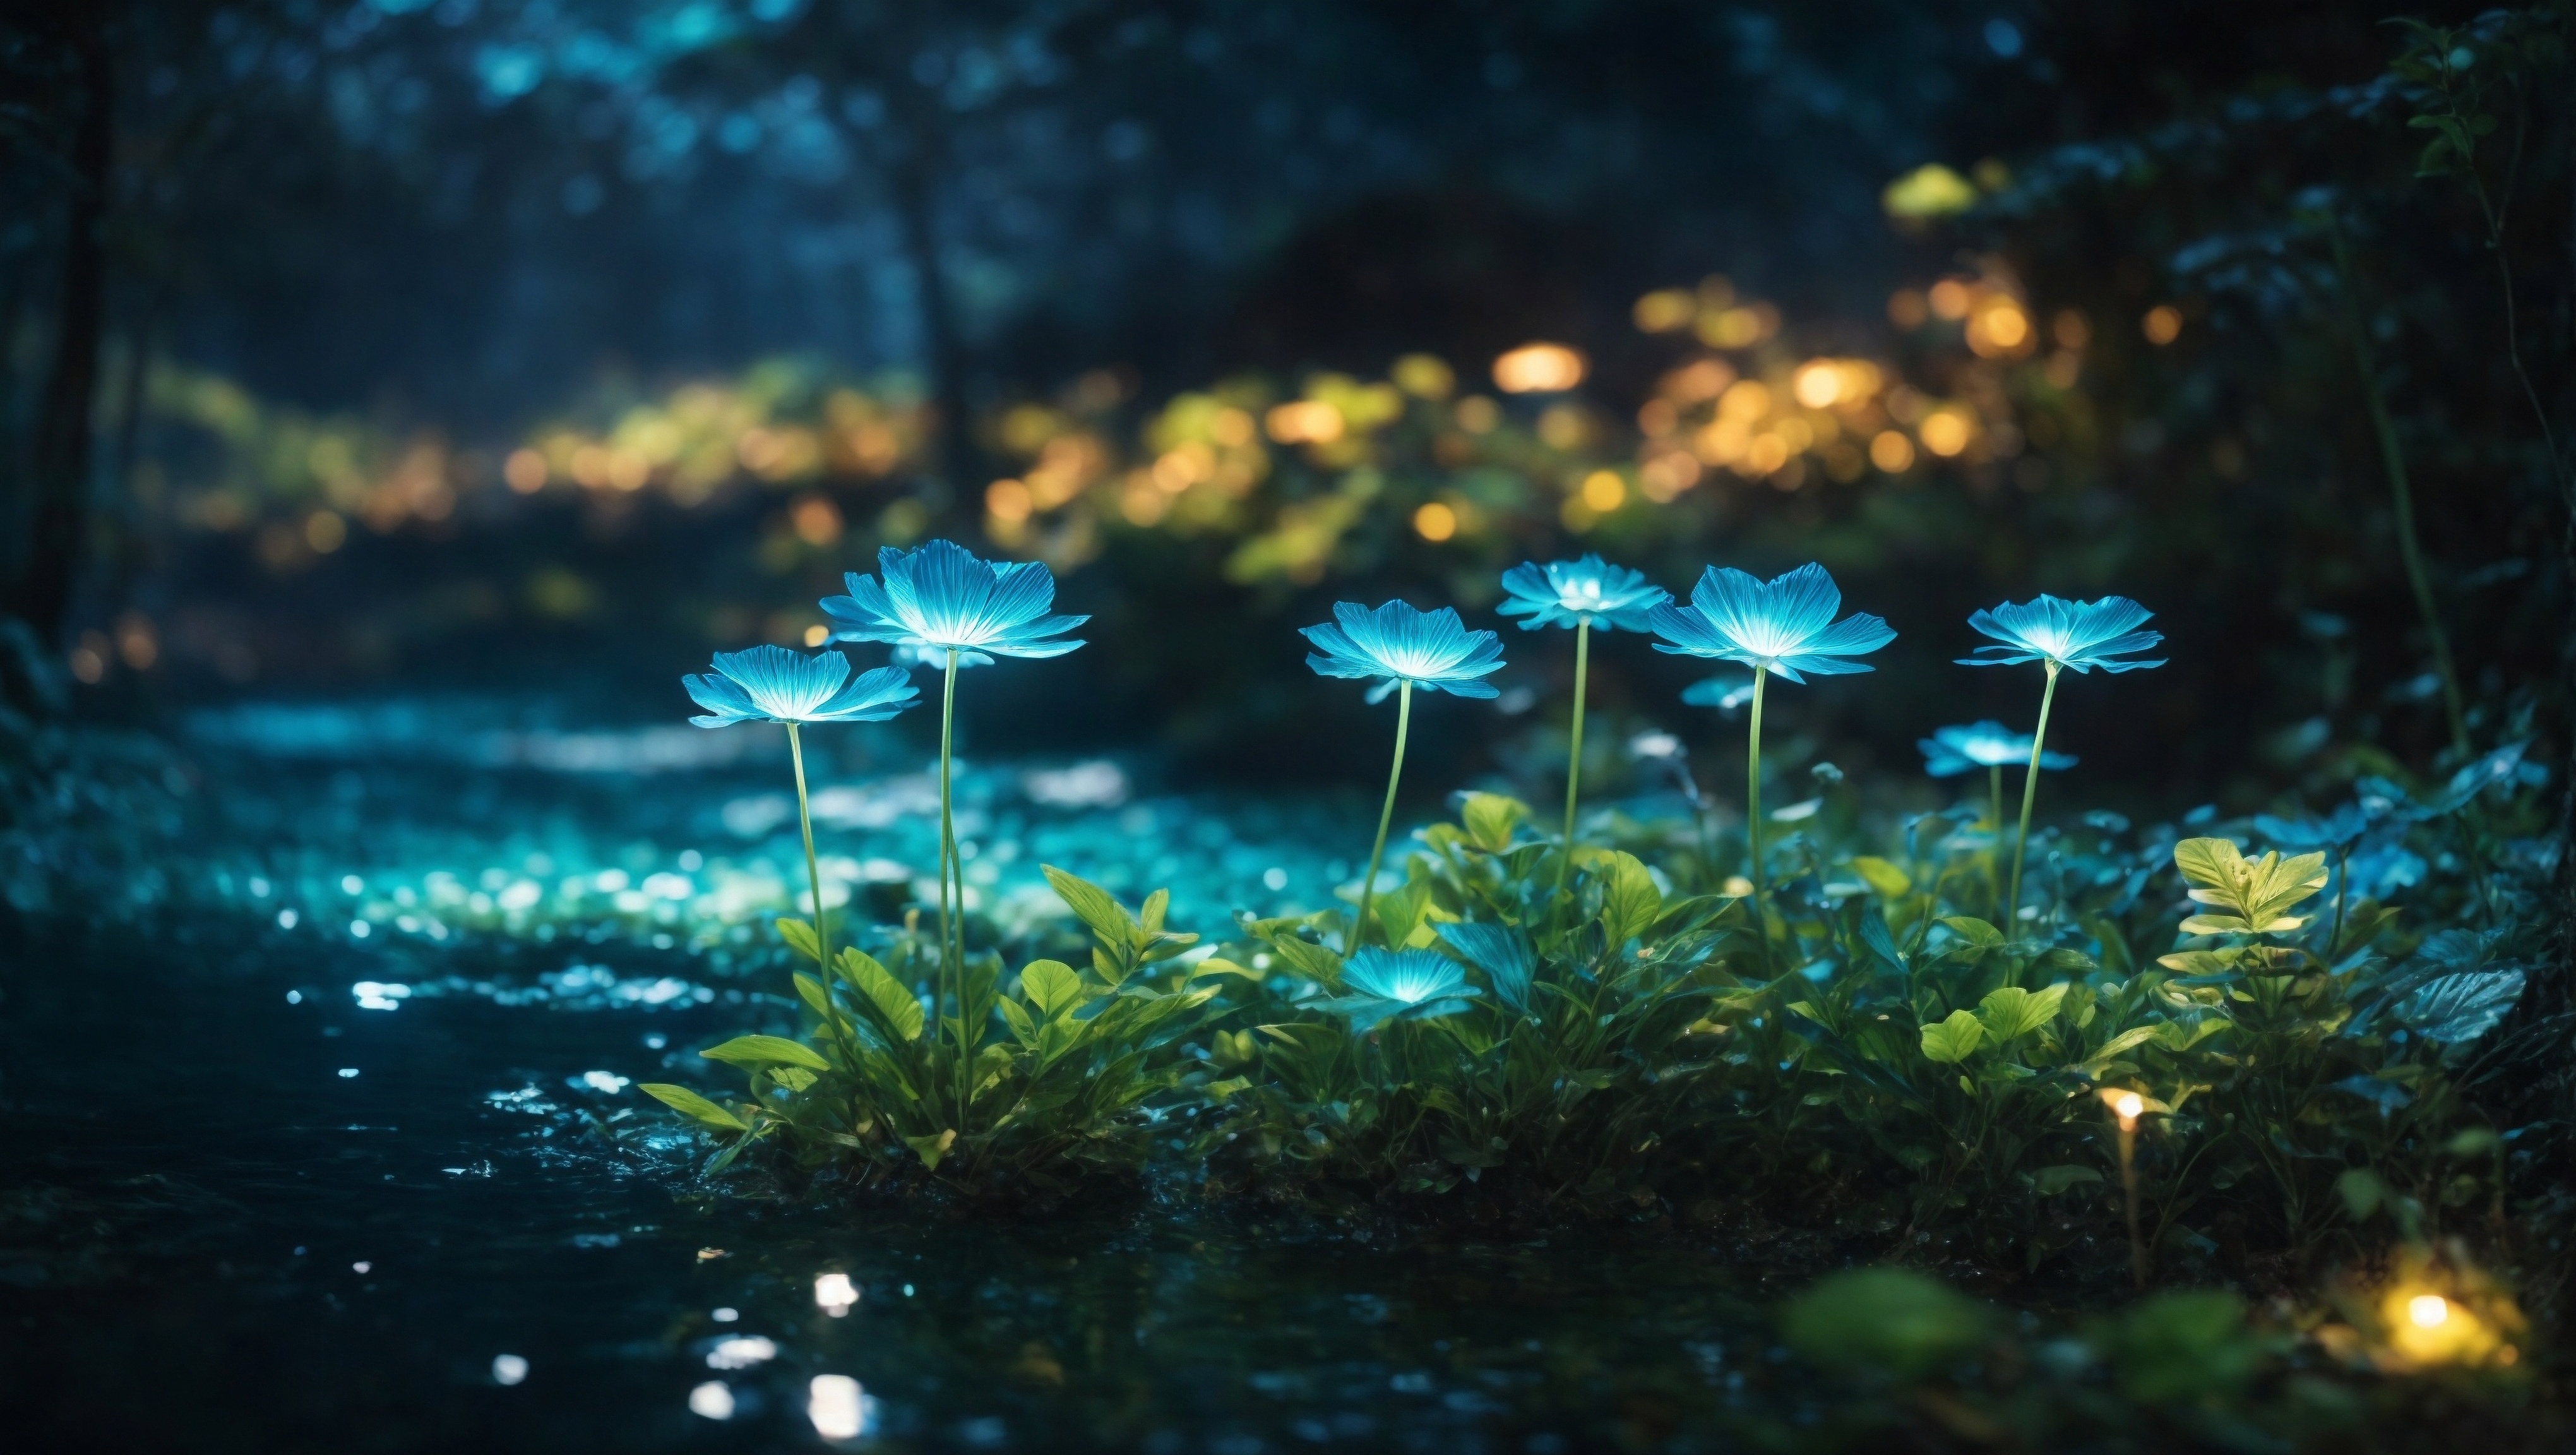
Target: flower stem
(813, 871)
(1385, 815)
(2029, 792)
(1995, 795)
(1753, 791)
(1574, 759)
(2129, 1197)
(952, 906)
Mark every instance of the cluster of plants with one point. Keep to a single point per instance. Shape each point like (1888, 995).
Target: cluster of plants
(2206, 1043)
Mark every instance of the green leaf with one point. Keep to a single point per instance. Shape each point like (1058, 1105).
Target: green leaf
(2254, 893)
(693, 1106)
(1952, 1039)
(1219, 965)
(2132, 1037)
(1021, 1026)
(1311, 960)
(1490, 818)
(2457, 1009)
(2362, 1192)
(1051, 986)
(800, 937)
(1975, 931)
(931, 1149)
(1883, 876)
(1886, 1321)
(898, 1014)
(1630, 902)
(1399, 911)
(1092, 905)
(816, 998)
(753, 1052)
(2050, 1181)
(2011, 1012)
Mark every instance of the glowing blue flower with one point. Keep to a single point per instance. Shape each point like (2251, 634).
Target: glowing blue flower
(942, 598)
(1785, 625)
(2078, 634)
(1954, 750)
(773, 684)
(1413, 983)
(1433, 650)
(1503, 953)
(1725, 693)
(1570, 593)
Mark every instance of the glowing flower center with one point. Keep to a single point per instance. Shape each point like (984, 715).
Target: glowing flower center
(2128, 1106)
(2428, 1310)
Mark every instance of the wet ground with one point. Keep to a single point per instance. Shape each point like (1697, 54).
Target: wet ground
(339, 1149)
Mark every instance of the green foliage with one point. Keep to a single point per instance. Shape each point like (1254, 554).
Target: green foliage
(1029, 1086)
(1886, 1320)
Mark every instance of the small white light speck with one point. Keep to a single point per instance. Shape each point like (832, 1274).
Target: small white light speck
(656, 1041)
(286, 919)
(1274, 879)
(348, 1073)
(907, 1290)
(834, 1294)
(352, 884)
(712, 1399)
(692, 861)
(258, 887)
(741, 1352)
(362, 1266)
(295, 997)
(360, 929)
(508, 1369)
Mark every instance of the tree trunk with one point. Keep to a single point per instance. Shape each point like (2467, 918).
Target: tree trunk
(58, 458)
(958, 462)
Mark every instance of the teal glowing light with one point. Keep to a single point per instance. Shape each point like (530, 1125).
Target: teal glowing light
(1413, 983)
(1951, 751)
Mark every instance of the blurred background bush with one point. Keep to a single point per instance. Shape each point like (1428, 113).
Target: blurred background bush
(541, 348)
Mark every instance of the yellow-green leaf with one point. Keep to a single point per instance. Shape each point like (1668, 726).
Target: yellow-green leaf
(1050, 985)
(1629, 899)
(693, 1106)
(1091, 904)
(1490, 819)
(753, 1052)
(1883, 876)
(800, 937)
(897, 1011)
(1953, 1038)
(931, 1149)
(2012, 1012)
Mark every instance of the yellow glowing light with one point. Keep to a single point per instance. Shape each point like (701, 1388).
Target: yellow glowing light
(1999, 328)
(1667, 475)
(1538, 368)
(1435, 522)
(1817, 383)
(1736, 328)
(1478, 415)
(1944, 432)
(1142, 502)
(2128, 1105)
(1008, 501)
(1931, 190)
(1796, 433)
(1562, 427)
(1657, 418)
(1767, 452)
(89, 659)
(1722, 442)
(816, 520)
(2063, 368)
(2162, 325)
(135, 641)
(1698, 380)
(1604, 491)
(325, 531)
(817, 634)
(2070, 328)
(1424, 376)
(2428, 1310)
(1307, 421)
(1666, 310)
(1231, 427)
(525, 471)
(1744, 401)
(1950, 299)
(1906, 308)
